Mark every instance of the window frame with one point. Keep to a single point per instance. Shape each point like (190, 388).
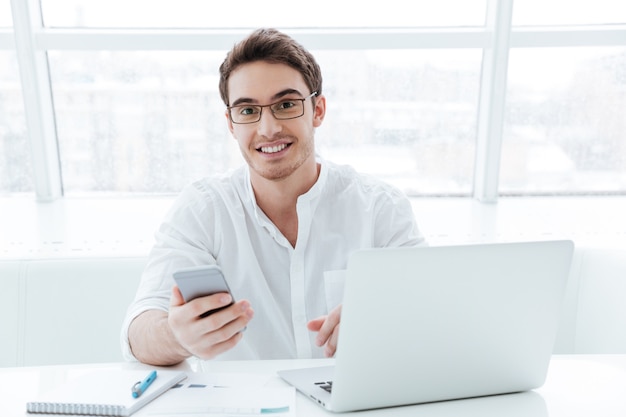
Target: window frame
(31, 41)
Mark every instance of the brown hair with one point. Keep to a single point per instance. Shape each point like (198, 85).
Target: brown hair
(275, 47)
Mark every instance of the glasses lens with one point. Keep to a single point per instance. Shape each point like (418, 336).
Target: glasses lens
(288, 109)
(245, 114)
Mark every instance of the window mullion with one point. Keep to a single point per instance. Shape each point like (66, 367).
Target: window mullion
(565, 36)
(223, 39)
(492, 101)
(38, 102)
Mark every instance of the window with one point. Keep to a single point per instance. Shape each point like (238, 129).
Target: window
(139, 121)
(565, 121)
(568, 12)
(408, 117)
(15, 157)
(5, 14)
(245, 14)
(135, 109)
(153, 121)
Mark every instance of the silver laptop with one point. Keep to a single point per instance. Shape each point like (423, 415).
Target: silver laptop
(440, 323)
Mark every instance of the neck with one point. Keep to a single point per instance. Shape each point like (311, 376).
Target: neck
(278, 198)
(283, 193)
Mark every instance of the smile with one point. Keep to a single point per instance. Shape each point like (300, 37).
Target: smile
(273, 149)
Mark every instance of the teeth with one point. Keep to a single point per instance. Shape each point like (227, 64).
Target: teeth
(273, 149)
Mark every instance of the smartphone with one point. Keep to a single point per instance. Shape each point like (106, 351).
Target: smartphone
(199, 281)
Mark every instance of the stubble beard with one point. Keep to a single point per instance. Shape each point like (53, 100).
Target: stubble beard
(280, 170)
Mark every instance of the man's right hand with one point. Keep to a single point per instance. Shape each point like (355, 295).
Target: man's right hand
(207, 337)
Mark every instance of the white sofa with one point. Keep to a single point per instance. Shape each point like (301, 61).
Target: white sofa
(594, 311)
(65, 311)
(62, 311)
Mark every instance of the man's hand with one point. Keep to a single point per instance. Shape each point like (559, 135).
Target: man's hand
(207, 337)
(327, 328)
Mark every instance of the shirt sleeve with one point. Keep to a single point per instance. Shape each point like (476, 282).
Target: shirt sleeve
(395, 223)
(185, 238)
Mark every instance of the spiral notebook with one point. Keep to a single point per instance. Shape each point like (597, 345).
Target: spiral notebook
(103, 392)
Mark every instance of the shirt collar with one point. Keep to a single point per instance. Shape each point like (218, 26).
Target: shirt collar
(317, 188)
(310, 196)
(313, 192)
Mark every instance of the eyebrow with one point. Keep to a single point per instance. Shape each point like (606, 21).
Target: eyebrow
(277, 96)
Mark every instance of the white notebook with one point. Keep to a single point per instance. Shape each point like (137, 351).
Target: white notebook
(104, 392)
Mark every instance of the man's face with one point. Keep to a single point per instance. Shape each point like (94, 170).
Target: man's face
(274, 149)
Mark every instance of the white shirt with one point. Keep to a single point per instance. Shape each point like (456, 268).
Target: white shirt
(217, 220)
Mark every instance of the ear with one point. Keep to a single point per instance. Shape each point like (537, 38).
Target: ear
(230, 124)
(319, 111)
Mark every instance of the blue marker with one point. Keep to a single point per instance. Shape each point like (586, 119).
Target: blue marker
(141, 386)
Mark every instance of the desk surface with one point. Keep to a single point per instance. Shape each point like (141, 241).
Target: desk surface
(577, 385)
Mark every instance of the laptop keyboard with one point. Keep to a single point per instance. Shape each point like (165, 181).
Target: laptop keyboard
(325, 385)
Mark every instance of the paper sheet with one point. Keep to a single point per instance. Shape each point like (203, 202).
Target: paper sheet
(223, 395)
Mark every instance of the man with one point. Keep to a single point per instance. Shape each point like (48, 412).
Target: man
(278, 227)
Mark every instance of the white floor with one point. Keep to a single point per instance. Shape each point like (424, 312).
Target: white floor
(93, 227)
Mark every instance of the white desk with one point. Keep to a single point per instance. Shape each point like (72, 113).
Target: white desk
(577, 385)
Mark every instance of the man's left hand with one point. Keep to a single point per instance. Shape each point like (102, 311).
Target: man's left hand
(327, 328)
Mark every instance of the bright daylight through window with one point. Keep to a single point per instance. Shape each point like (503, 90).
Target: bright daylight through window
(131, 116)
(15, 159)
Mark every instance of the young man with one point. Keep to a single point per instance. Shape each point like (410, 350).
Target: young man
(278, 227)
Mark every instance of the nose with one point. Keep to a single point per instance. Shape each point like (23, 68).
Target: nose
(268, 126)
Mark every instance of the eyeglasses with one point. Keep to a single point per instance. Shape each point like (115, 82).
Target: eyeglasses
(282, 110)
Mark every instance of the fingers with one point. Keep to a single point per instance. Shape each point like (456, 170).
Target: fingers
(330, 347)
(315, 324)
(177, 297)
(327, 328)
(220, 331)
(204, 306)
(208, 336)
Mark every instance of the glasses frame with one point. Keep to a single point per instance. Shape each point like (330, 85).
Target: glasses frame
(230, 116)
